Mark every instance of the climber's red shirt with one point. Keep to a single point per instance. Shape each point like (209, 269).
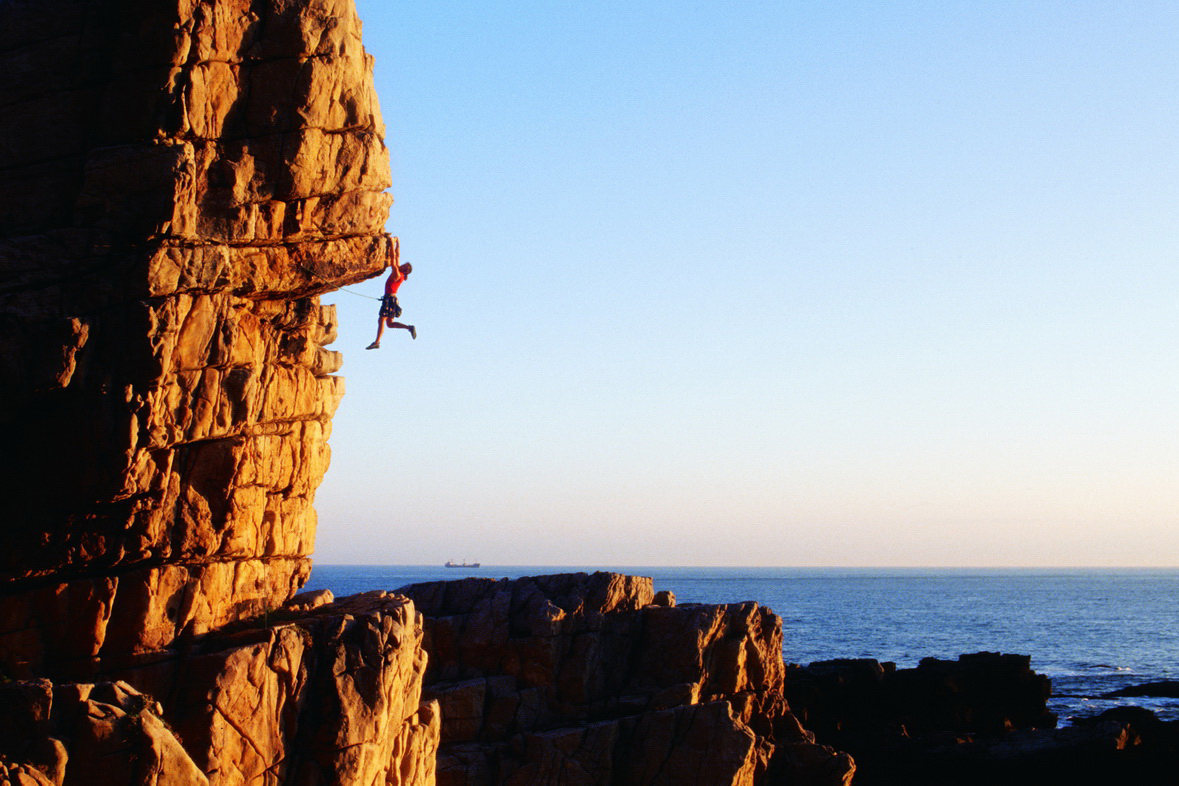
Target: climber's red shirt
(393, 282)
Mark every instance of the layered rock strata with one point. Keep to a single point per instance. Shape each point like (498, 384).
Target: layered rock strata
(179, 179)
(581, 679)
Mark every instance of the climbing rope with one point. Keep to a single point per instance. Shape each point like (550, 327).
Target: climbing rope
(311, 274)
(358, 294)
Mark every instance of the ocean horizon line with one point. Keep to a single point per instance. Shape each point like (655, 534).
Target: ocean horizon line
(636, 566)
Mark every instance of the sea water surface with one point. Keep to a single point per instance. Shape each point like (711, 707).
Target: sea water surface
(1090, 630)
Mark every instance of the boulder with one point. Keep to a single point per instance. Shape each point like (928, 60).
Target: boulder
(327, 695)
(88, 734)
(1164, 689)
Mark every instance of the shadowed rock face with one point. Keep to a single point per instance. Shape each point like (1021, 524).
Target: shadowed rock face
(179, 179)
(104, 733)
(986, 692)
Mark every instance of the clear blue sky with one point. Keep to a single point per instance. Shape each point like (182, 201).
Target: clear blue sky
(770, 283)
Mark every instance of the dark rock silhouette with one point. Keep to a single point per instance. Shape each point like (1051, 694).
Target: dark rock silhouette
(1162, 689)
(981, 719)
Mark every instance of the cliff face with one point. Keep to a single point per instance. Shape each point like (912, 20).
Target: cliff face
(179, 179)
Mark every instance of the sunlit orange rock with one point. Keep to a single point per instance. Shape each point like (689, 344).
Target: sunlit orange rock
(330, 695)
(178, 182)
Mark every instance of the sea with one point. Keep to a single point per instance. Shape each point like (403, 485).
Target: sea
(1090, 630)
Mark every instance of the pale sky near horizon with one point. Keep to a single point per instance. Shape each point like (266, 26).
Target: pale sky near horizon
(770, 283)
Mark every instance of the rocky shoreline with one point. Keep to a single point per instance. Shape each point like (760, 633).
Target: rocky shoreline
(568, 678)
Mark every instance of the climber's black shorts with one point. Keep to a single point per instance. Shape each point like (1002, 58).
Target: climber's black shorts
(389, 307)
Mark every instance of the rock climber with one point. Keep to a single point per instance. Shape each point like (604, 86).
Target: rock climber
(389, 308)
